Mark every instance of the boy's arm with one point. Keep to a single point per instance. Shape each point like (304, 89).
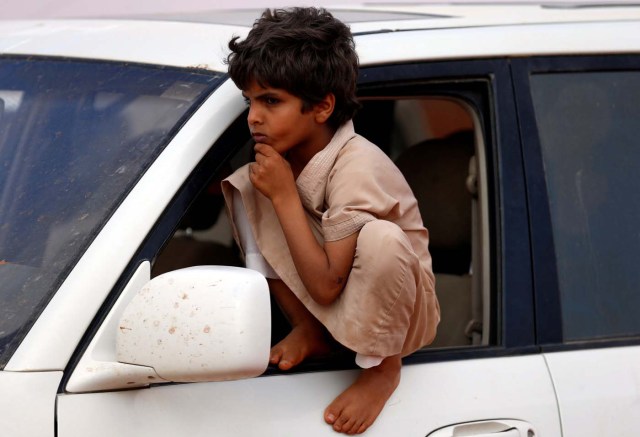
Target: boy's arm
(322, 269)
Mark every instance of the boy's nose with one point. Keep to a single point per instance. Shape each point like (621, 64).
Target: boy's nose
(254, 116)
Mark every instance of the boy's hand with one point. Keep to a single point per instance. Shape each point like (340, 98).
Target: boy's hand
(271, 174)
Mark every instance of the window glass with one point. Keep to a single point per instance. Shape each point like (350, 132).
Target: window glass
(590, 137)
(74, 138)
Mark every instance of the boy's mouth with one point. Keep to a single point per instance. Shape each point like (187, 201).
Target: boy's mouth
(258, 137)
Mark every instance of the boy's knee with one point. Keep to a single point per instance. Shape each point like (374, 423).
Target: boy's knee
(384, 244)
(381, 234)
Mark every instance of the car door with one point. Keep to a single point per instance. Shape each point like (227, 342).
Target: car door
(483, 375)
(579, 117)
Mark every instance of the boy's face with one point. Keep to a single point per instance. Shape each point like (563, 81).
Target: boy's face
(276, 119)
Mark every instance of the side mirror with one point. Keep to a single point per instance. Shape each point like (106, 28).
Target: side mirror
(205, 323)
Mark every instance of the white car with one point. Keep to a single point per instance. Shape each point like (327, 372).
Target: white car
(518, 128)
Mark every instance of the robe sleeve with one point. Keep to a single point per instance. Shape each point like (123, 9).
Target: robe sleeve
(363, 186)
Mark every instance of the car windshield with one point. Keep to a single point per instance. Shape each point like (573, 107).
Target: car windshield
(74, 138)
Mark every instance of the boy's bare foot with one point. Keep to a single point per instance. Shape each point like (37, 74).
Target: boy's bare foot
(359, 405)
(305, 339)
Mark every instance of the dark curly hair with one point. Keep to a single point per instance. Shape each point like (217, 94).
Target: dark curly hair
(305, 51)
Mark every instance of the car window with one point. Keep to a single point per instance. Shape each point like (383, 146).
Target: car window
(432, 139)
(589, 135)
(439, 123)
(74, 138)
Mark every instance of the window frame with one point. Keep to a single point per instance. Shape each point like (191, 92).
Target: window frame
(546, 283)
(512, 330)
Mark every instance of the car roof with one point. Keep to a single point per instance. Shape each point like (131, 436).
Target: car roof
(397, 16)
(198, 40)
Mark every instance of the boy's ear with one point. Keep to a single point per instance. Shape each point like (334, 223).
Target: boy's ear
(324, 108)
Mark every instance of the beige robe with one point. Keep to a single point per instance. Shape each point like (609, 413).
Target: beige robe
(345, 186)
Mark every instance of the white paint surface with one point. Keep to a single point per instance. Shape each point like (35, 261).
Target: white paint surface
(27, 403)
(99, 368)
(598, 391)
(84, 8)
(430, 396)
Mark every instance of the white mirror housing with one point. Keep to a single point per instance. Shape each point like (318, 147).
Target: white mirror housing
(205, 323)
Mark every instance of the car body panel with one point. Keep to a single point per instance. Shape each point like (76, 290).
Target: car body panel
(175, 44)
(430, 396)
(27, 403)
(598, 390)
(443, 44)
(193, 45)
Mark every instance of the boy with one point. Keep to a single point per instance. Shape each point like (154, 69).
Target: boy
(324, 214)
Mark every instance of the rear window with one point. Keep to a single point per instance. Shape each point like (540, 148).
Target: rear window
(590, 137)
(74, 138)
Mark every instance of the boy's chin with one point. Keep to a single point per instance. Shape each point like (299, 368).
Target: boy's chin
(281, 150)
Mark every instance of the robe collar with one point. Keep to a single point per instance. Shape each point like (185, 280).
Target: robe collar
(313, 179)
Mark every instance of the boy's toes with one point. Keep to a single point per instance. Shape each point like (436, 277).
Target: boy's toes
(284, 358)
(339, 419)
(342, 424)
(275, 355)
(335, 416)
(329, 417)
(362, 428)
(331, 414)
(352, 427)
(337, 425)
(286, 364)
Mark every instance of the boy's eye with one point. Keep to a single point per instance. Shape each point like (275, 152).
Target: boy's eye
(247, 101)
(272, 100)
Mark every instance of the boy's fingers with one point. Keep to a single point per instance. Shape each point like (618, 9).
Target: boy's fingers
(264, 149)
(255, 169)
(260, 158)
